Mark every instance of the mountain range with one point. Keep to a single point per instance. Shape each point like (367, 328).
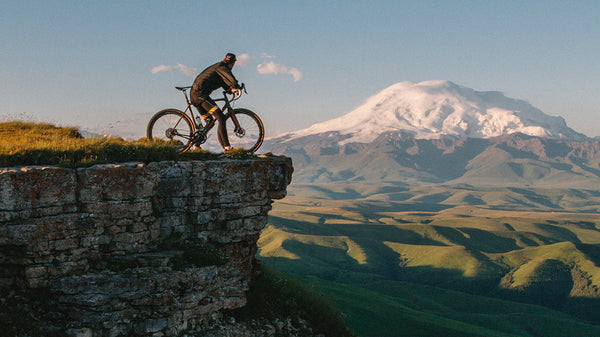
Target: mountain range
(440, 132)
(435, 109)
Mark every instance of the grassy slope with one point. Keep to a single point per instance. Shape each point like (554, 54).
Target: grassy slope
(387, 308)
(426, 238)
(24, 143)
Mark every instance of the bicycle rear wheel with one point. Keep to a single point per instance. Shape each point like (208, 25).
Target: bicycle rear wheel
(173, 126)
(251, 132)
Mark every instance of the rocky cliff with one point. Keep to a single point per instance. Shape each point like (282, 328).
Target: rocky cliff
(134, 249)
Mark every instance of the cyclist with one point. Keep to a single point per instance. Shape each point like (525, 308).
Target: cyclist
(218, 75)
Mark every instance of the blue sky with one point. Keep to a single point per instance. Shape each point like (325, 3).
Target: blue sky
(90, 63)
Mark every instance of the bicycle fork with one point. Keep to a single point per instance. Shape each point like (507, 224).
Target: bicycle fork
(239, 131)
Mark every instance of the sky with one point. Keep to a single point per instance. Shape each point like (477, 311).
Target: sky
(108, 66)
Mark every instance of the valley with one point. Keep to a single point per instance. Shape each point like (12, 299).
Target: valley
(506, 244)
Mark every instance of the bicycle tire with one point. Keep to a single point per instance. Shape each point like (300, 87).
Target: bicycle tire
(252, 134)
(172, 125)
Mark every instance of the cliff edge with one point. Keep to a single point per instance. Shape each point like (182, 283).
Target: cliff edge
(135, 249)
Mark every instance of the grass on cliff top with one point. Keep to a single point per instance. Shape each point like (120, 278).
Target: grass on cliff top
(26, 143)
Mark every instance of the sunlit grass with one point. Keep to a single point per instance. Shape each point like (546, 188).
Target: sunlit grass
(25, 143)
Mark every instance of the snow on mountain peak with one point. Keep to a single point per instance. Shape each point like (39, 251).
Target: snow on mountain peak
(432, 109)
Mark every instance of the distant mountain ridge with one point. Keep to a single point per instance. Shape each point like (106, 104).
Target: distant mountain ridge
(435, 109)
(509, 160)
(437, 132)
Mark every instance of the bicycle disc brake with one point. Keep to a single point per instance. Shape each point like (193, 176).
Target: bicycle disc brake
(240, 132)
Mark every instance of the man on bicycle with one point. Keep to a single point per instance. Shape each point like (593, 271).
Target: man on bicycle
(218, 75)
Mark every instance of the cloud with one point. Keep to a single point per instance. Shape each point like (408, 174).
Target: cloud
(243, 60)
(187, 71)
(266, 56)
(296, 74)
(276, 68)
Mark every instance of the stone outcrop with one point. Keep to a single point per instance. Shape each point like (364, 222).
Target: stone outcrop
(135, 249)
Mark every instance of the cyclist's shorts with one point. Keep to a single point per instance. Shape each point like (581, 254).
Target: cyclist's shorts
(205, 105)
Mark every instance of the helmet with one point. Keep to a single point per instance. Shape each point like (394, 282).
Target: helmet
(229, 58)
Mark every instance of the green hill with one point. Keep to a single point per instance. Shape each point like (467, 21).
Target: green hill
(386, 308)
(379, 237)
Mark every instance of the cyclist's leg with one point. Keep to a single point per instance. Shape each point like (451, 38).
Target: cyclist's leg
(203, 105)
(209, 106)
(222, 129)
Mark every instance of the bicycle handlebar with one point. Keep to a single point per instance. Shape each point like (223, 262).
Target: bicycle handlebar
(238, 93)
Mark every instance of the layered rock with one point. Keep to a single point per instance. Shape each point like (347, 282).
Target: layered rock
(136, 249)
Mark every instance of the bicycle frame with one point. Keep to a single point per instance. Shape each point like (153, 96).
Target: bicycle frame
(187, 128)
(227, 109)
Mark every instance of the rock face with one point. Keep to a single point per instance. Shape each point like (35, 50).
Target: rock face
(134, 249)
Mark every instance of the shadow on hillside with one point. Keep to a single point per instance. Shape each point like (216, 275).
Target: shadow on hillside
(558, 232)
(374, 207)
(591, 251)
(534, 198)
(374, 232)
(443, 158)
(478, 239)
(334, 265)
(517, 153)
(347, 194)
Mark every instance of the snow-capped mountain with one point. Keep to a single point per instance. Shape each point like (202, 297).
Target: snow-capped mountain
(432, 109)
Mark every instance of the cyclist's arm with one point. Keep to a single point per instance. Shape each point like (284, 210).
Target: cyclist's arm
(228, 78)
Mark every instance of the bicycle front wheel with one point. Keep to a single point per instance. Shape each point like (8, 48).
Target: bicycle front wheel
(245, 130)
(173, 126)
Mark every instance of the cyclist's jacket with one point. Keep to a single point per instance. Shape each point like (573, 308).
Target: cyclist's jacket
(216, 76)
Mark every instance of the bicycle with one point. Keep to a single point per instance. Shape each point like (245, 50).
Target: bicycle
(244, 128)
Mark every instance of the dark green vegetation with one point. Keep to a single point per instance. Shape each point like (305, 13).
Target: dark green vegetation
(395, 308)
(23, 143)
(191, 254)
(440, 260)
(21, 315)
(275, 295)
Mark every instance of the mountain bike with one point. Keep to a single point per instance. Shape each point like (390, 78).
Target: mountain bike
(185, 130)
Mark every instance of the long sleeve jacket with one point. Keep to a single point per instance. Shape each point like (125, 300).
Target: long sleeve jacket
(216, 76)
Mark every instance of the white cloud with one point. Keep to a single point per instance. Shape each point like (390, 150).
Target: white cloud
(179, 67)
(296, 73)
(243, 60)
(276, 68)
(266, 56)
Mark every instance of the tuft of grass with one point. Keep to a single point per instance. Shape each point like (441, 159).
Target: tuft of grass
(278, 295)
(25, 143)
(239, 153)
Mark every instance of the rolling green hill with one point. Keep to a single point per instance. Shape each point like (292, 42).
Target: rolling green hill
(393, 308)
(508, 243)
